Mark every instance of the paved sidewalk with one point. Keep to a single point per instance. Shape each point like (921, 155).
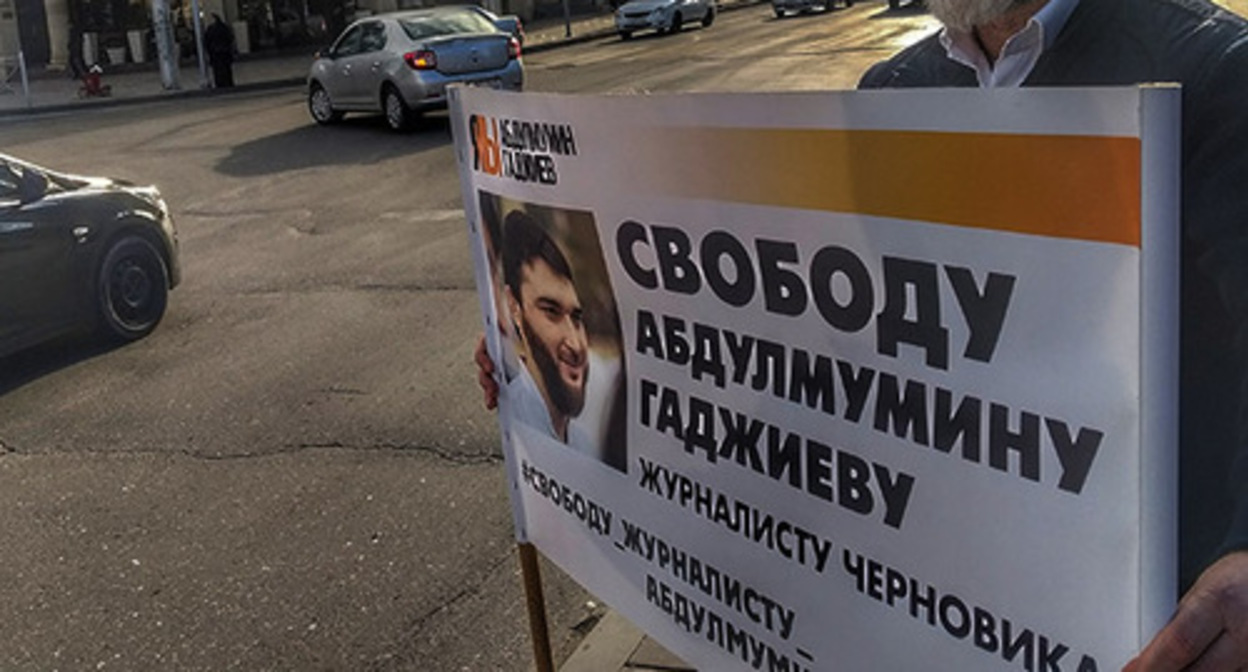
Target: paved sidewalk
(615, 645)
(134, 83)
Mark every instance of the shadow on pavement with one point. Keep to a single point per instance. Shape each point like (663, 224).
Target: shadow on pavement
(357, 139)
(27, 366)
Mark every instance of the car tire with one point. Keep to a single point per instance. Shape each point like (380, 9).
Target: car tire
(709, 17)
(399, 117)
(678, 22)
(894, 4)
(321, 107)
(132, 289)
(779, 13)
(626, 35)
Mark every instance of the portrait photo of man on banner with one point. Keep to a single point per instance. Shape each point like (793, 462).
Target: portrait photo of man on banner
(559, 329)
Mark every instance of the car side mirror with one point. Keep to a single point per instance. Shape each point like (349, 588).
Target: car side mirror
(33, 186)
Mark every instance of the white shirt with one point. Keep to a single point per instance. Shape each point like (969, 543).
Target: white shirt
(1021, 51)
(529, 407)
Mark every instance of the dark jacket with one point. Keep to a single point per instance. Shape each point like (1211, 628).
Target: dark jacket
(219, 42)
(1193, 42)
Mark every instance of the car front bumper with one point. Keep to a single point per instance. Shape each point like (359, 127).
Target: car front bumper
(795, 5)
(656, 20)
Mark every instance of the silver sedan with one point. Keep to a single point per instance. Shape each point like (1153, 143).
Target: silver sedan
(665, 16)
(400, 64)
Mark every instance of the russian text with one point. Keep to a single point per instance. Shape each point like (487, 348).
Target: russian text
(980, 431)
(790, 541)
(834, 280)
(993, 634)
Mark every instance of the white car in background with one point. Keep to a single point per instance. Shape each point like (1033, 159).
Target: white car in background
(782, 7)
(664, 16)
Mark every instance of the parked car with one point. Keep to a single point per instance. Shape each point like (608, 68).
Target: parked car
(400, 64)
(782, 7)
(665, 16)
(508, 23)
(81, 253)
(294, 28)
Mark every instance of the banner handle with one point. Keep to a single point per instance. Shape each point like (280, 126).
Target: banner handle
(537, 607)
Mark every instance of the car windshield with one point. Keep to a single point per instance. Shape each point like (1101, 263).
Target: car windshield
(435, 25)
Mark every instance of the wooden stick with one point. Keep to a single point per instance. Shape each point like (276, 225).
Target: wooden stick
(537, 608)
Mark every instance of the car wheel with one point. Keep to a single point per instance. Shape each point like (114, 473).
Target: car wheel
(132, 289)
(626, 35)
(894, 4)
(779, 13)
(399, 116)
(709, 17)
(677, 23)
(321, 107)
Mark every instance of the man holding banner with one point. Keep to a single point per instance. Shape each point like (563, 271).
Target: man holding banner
(993, 43)
(1009, 43)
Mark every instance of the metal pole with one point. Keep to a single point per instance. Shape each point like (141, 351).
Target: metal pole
(166, 46)
(537, 608)
(199, 44)
(567, 19)
(21, 65)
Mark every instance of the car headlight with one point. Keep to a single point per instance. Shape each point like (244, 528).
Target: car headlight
(152, 196)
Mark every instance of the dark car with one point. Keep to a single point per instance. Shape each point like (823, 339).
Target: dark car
(80, 253)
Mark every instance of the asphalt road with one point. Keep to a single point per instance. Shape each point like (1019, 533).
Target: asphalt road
(294, 472)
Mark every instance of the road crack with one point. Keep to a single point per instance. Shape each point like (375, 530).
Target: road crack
(333, 288)
(441, 453)
(417, 625)
(459, 459)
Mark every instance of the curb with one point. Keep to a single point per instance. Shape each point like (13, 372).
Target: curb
(299, 80)
(599, 33)
(608, 646)
(615, 644)
(183, 94)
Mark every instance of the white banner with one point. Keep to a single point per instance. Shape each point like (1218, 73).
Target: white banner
(852, 381)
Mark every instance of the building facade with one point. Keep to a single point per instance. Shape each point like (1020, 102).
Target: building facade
(53, 34)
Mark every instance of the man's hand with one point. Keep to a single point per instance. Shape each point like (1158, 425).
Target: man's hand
(485, 374)
(1209, 632)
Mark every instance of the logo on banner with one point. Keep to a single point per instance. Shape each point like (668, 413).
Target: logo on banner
(521, 150)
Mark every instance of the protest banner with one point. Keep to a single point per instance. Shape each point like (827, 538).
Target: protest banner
(852, 380)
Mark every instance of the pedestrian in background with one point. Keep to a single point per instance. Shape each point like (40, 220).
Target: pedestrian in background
(77, 59)
(219, 43)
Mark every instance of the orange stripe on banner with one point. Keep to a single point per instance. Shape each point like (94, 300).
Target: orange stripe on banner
(1079, 187)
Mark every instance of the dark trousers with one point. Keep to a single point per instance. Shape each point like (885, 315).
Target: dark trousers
(222, 73)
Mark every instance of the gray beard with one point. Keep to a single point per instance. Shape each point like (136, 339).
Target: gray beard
(963, 15)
